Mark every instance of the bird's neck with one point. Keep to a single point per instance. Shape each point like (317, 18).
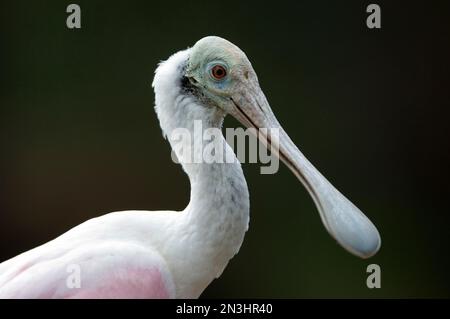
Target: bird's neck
(215, 221)
(219, 202)
(218, 211)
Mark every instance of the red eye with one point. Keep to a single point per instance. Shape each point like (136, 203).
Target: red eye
(218, 72)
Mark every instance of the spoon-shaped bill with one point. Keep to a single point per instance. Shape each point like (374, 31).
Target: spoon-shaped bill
(342, 219)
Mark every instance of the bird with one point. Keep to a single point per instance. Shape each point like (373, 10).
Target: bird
(177, 254)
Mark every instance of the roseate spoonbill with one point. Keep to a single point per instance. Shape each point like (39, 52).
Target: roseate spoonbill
(167, 254)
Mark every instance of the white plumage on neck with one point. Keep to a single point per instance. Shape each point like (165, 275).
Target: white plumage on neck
(215, 221)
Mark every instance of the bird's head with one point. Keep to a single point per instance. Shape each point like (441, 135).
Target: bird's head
(217, 75)
(223, 77)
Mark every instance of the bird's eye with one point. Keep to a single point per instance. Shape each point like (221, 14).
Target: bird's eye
(218, 72)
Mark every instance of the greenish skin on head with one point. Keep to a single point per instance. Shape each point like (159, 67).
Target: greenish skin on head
(211, 51)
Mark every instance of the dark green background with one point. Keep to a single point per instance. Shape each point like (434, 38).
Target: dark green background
(79, 137)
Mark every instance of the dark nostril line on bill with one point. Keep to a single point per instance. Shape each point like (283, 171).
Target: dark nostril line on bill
(260, 107)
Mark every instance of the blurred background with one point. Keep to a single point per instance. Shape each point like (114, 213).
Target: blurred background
(370, 108)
